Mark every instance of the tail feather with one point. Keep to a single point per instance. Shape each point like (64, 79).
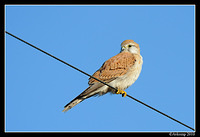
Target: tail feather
(90, 91)
(73, 103)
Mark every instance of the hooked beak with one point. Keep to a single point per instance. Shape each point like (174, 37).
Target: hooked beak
(123, 47)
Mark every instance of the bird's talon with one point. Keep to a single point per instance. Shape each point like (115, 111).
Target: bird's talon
(124, 94)
(118, 91)
(121, 92)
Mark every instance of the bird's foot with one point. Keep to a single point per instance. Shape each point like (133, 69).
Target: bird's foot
(121, 92)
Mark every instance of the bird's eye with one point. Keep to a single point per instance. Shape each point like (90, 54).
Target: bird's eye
(129, 46)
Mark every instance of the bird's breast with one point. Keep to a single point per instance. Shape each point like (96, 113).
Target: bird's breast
(130, 77)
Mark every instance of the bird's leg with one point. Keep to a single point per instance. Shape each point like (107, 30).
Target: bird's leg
(119, 91)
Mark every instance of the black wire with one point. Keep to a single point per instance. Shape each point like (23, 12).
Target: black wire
(59, 60)
(159, 112)
(99, 80)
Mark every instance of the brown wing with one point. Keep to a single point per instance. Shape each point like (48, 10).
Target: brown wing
(114, 67)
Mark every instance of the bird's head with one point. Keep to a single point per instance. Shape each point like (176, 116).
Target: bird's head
(130, 46)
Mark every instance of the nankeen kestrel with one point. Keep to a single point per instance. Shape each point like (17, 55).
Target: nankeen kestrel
(120, 71)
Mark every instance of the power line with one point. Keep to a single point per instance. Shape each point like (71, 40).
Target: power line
(160, 112)
(98, 80)
(59, 59)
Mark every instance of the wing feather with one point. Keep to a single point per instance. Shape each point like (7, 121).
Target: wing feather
(114, 67)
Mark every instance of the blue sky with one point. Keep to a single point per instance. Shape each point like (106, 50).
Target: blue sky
(38, 86)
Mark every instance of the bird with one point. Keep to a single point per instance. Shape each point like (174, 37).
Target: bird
(120, 72)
